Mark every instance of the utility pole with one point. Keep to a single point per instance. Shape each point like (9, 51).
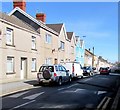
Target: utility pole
(93, 58)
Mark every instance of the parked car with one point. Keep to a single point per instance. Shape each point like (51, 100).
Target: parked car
(53, 73)
(88, 71)
(75, 69)
(104, 70)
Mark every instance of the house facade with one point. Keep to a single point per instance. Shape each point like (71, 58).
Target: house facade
(88, 58)
(26, 43)
(66, 43)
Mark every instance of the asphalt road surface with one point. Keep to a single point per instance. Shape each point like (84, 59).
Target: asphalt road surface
(96, 92)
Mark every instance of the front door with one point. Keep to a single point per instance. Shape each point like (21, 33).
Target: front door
(23, 68)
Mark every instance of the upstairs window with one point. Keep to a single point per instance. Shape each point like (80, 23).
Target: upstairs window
(72, 49)
(33, 42)
(62, 45)
(48, 38)
(9, 36)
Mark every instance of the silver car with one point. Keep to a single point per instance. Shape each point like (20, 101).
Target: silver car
(53, 73)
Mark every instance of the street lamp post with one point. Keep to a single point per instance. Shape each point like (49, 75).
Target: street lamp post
(93, 58)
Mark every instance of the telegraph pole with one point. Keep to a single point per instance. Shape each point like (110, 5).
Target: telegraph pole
(93, 58)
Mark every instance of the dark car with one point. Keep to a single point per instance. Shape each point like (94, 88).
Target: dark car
(87, 71)
(104, 70)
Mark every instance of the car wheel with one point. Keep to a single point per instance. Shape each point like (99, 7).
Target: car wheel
(60, 82)
(40, 83)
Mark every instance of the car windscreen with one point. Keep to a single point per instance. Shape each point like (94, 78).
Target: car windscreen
(50, 68)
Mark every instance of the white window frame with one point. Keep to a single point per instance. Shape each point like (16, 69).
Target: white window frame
(48, 61)
(10, 64)
(62, 45)
(48, 38)
(34, 62)
(72, 49)
(9, 36)
(33, 42)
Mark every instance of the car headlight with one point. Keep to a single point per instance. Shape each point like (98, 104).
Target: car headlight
(88, 71)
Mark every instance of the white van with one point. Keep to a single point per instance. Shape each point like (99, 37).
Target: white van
(75, 69)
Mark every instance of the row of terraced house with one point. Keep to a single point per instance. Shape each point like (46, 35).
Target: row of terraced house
(27, 42)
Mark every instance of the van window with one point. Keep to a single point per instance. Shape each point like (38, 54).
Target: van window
(56, 68)
(63, 68)
(60, 68)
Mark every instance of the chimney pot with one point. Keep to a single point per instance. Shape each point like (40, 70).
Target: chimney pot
(19, 3)
(41, 16)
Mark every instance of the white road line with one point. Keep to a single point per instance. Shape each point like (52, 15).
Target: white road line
(18, 94)
(71, 86)
(22, 105)
(31, 97)
(67, 87)
(61, 89)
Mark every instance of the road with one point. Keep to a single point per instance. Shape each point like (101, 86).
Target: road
(88, 93)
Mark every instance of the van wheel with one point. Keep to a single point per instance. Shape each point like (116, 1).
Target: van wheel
(60, 82)
(81, 77)
(70, 79)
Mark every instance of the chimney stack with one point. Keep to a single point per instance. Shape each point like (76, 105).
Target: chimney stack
(41, 16)
(19, 3)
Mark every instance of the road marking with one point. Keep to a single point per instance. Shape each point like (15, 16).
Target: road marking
(87, 79)
(71, 86)
(22, 105)
(31, 97)
(61, 89)
(103, 104)
(18, 94)
(67, 87)
(101, 92)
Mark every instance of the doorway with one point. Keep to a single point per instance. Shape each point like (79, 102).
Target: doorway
(23, 74)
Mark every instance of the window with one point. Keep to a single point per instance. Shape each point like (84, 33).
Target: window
(33, 64)
(48, 61)
(48, 38)
(72, 49)
(60, 68)
(10, 64)
(63, 68)
(56, 68)
(81, 43)
(33, 42)
(9, 36)
(62, 45)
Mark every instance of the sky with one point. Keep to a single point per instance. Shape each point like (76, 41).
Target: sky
(98, 21)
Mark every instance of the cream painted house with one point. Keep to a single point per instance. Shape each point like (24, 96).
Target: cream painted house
(88, 58)
(26, 43)
(24, 47)
(66, 43)
(71, 46)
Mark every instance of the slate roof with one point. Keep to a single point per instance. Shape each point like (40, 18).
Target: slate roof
(14, 20)
(55, 27)
(69, 35)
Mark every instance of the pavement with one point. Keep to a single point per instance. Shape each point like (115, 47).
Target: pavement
(9, 88)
